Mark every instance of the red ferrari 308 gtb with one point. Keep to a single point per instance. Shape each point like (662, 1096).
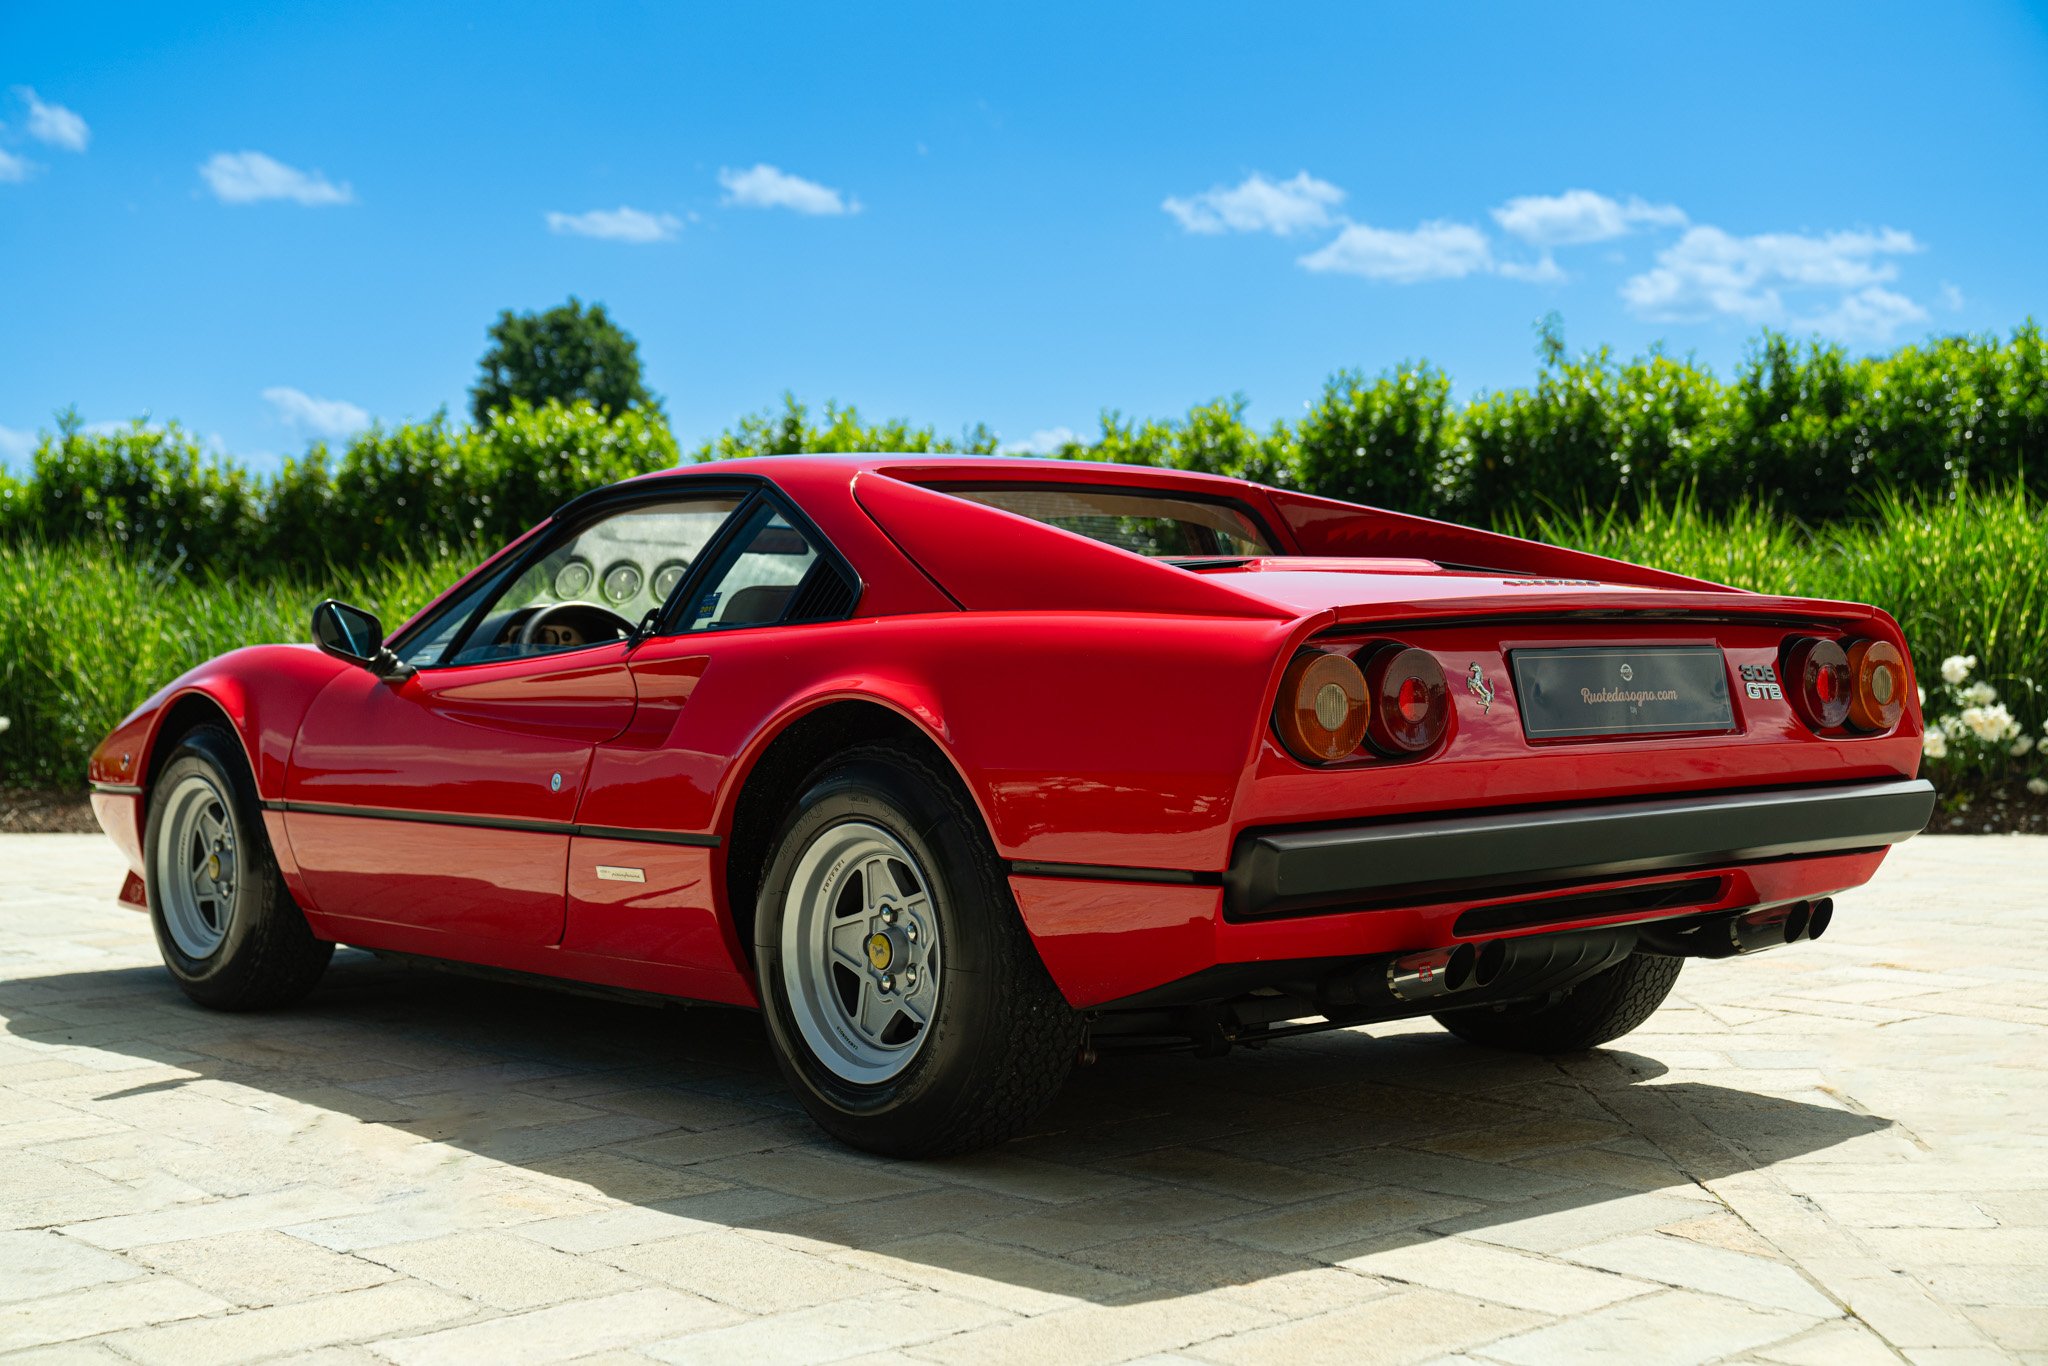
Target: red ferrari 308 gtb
(959, 769)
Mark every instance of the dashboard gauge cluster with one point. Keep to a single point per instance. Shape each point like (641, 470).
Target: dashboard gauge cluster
(621, 581)
(667, 577)
(573, 580)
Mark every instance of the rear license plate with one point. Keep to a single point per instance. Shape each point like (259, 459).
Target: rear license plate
(1622, 690)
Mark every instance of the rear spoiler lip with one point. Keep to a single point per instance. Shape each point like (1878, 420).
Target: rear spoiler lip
(1701, 608)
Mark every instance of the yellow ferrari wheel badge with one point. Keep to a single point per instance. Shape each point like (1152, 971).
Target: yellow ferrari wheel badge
(880, 954)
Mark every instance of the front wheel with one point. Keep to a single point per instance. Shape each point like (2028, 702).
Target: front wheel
(230, 933)
(1604, 1007)
(907, 1006)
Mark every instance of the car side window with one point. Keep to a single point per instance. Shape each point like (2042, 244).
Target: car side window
(756, 576)
(591, 586)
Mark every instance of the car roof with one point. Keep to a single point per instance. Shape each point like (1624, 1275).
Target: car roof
(818, 468)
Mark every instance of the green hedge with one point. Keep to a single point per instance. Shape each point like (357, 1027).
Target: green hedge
(1810, 432)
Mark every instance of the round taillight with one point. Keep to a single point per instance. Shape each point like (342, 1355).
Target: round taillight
(1322, 711)
(1411, 705)
(1877, 684)
(1817, 673)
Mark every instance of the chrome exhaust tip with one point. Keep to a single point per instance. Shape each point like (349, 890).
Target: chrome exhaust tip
(1492, 957)
(1820, 917)
(1434, 972)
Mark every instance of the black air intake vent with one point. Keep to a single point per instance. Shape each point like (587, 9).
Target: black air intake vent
(824, 595)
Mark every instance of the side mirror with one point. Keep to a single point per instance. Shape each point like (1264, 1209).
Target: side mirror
(357, 636)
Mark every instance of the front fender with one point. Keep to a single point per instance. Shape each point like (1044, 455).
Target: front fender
(263, 691)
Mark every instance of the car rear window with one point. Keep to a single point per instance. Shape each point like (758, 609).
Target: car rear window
(1146, 521)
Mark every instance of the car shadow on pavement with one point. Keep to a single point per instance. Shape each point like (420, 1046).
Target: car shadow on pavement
(1151, 1177)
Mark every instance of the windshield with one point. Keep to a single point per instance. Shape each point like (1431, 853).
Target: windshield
(1153, 523)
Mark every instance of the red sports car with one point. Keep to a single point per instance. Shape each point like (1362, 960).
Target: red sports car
(962, 769)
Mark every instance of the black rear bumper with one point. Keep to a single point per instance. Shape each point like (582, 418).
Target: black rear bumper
(1386, 863)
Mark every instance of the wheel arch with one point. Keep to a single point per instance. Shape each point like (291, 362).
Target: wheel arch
(790, 752)
(182, 715)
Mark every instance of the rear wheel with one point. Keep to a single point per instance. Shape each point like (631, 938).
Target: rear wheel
(229, 931)
(1605, 1006)
(908, 1008)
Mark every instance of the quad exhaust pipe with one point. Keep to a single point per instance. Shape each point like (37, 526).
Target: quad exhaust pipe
(1439, 972)
(1430, 974)
(1420, 976)
(1767, 927)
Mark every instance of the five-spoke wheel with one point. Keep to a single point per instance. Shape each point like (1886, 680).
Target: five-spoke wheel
(861, 958)
(907, 1006)
(230, 933)
(195, 865)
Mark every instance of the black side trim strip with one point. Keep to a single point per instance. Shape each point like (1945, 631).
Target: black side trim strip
(620, 832)
(117, 789)
(1095, 872)
(604, 832)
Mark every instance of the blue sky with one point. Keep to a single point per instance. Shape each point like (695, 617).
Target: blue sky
(275, 222)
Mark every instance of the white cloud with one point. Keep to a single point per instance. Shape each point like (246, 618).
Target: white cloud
(1259, 205)
(320, 416)
(1042, 442)
(251, 177)
(1578, 216)
(1432, 251)
(54, 124)
(765, 187)
(1542, 271)
(1951, 297)
(1874, 314)
(617, 225)
(14, 168)
(1708, 272)
(16, 445)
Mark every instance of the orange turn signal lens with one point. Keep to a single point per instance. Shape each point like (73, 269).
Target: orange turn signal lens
(1877, 684)
(1411, 704)
(1323, 710)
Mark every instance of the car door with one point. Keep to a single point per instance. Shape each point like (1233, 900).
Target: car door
(440, 806)
(644, 865)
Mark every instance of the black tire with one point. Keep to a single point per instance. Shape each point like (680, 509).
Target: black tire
(1001, 1040)
(267, 956)
(1604, 1007)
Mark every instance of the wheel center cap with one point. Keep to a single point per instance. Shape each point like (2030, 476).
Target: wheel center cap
(887, 949)
(213, 867)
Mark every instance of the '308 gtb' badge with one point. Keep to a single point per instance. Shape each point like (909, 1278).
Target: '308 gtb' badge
(1476, 684)
(1760, 681)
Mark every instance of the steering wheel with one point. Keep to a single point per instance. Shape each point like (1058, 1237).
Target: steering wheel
(531, 630)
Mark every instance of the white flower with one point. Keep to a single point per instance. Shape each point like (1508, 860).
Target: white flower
(4, 724)
(1954, 727)
(1956, 668)
(1993, 724)
(1934, 745)
(1980, 694)
(2021, 746)
(2038, 786)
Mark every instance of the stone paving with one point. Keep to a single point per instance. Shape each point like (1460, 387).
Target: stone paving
(1833, 1153)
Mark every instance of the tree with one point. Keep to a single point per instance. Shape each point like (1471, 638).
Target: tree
(570, 354)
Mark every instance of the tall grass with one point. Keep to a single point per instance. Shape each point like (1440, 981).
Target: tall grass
(87, 631)
(1963, 577)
